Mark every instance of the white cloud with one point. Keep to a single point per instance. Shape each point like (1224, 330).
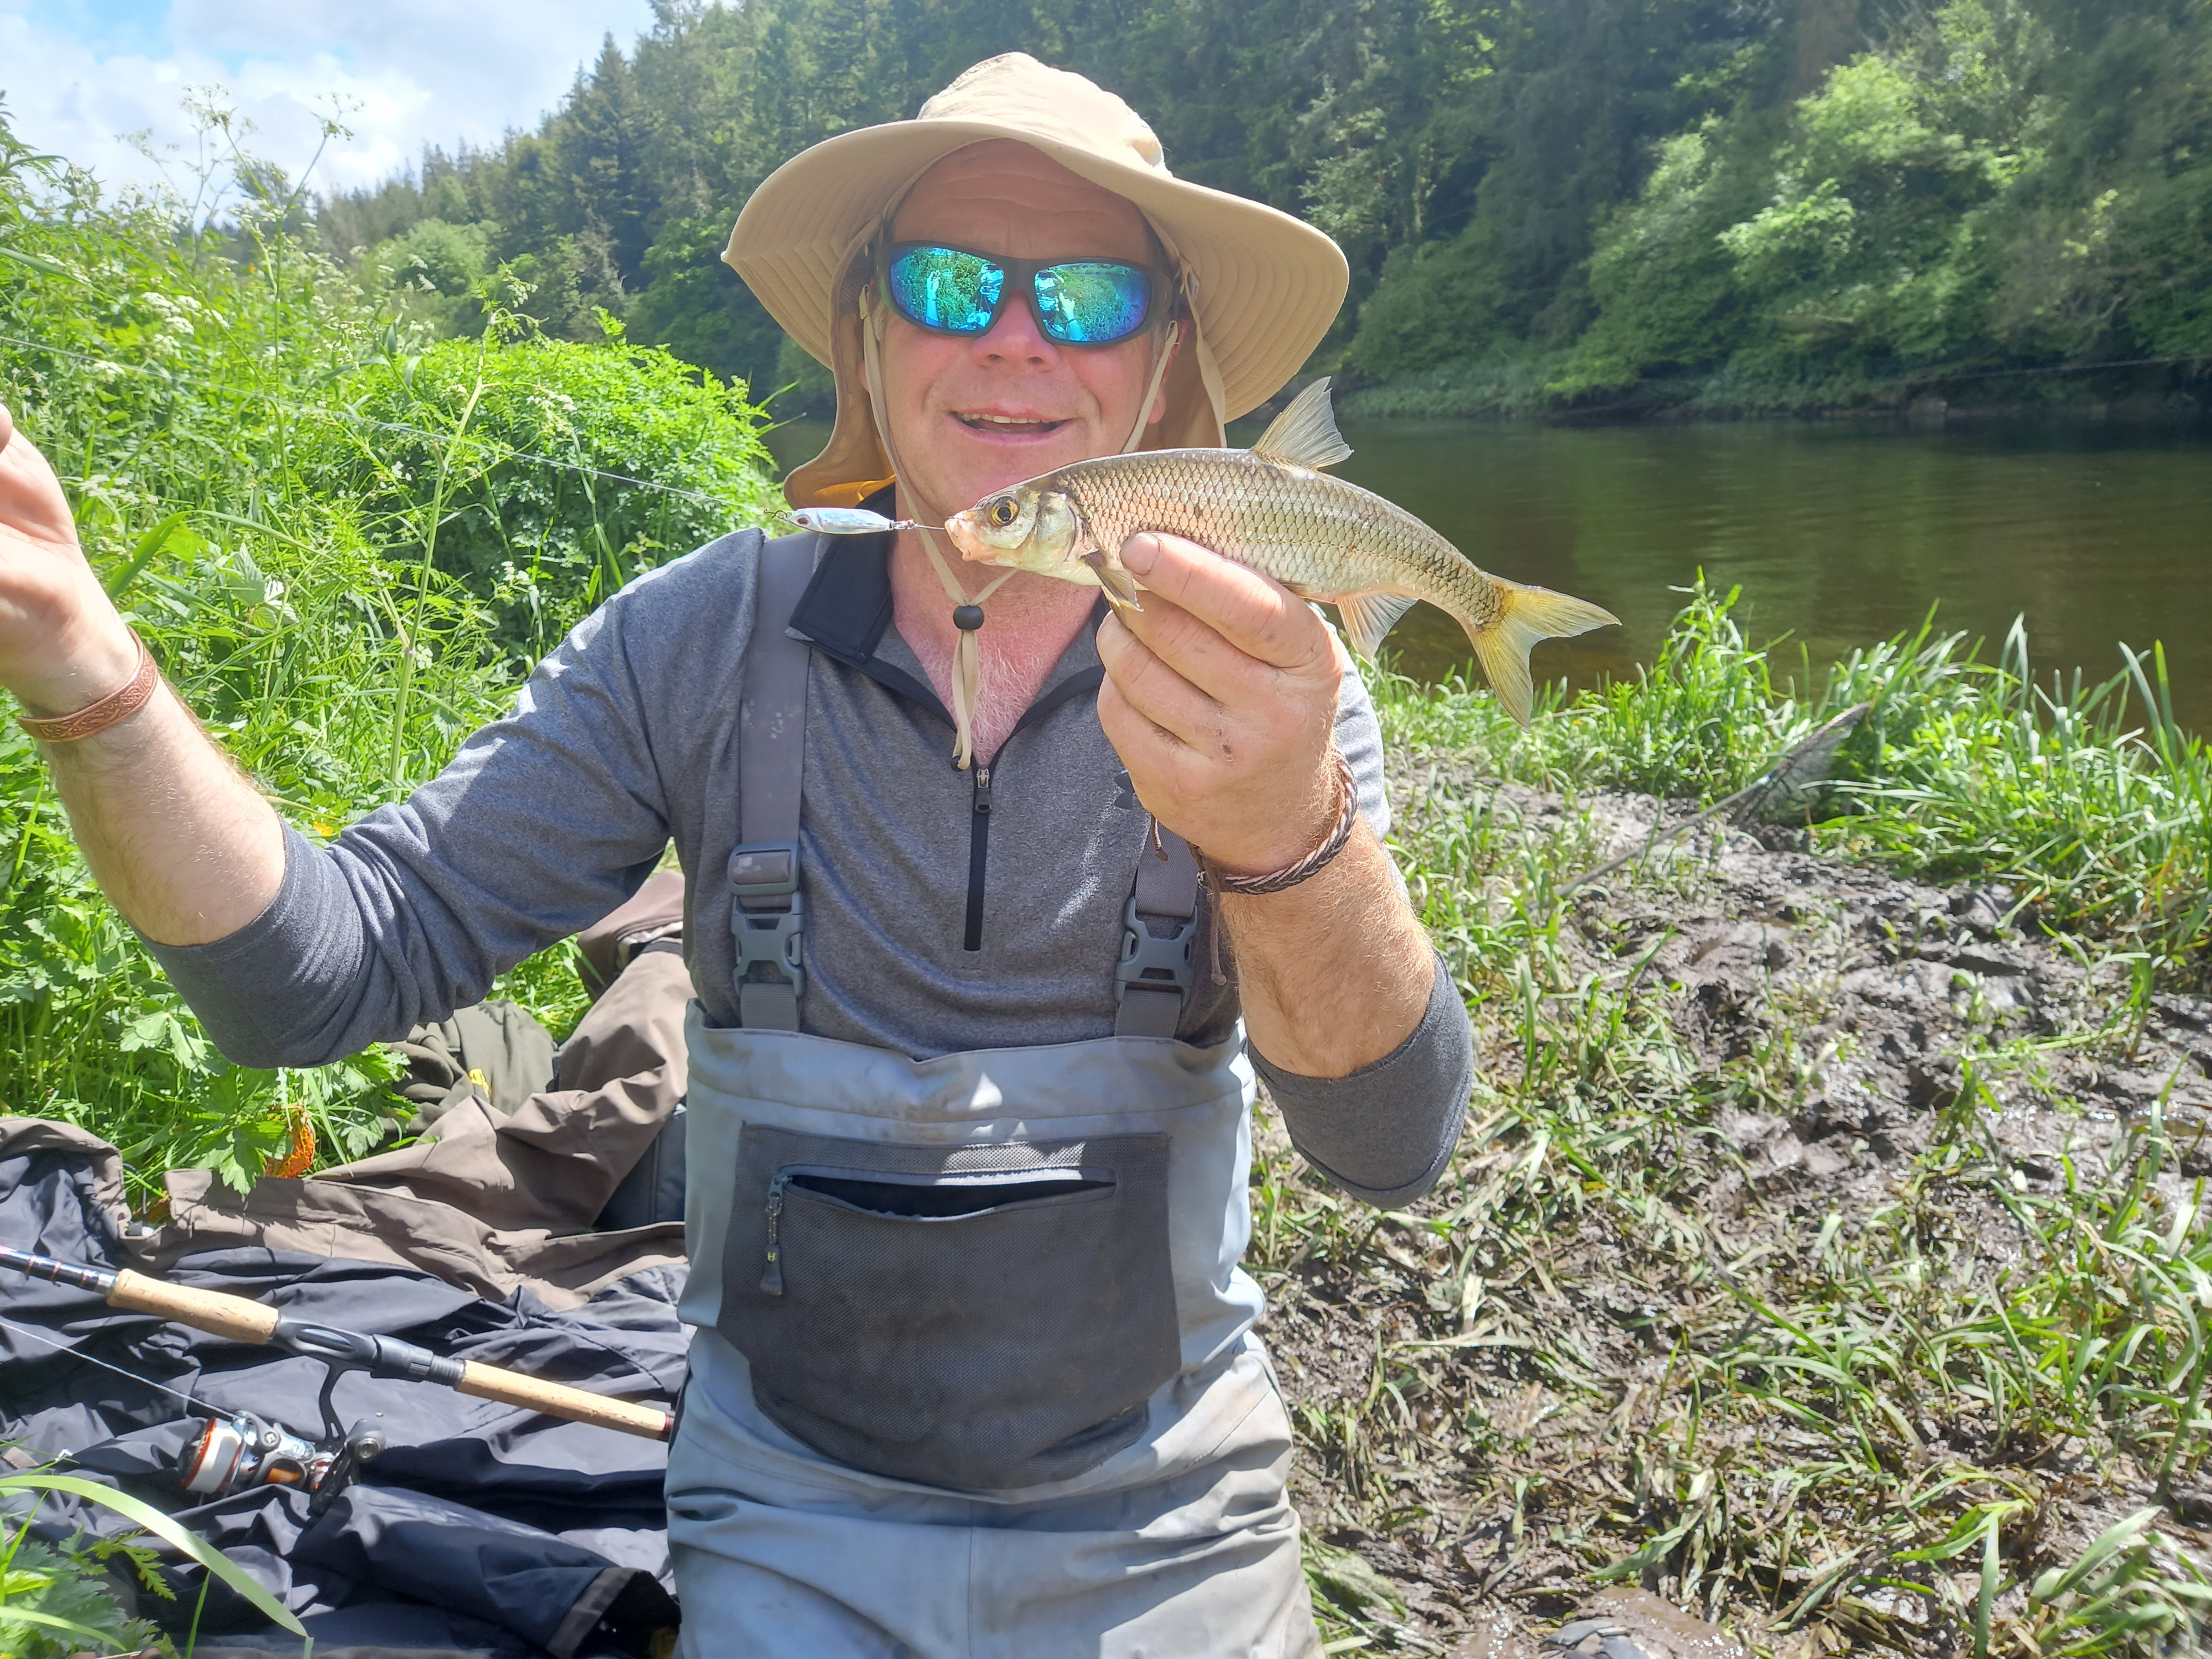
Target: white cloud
(77, 75)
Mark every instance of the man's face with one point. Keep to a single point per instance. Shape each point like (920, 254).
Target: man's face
(969, 416)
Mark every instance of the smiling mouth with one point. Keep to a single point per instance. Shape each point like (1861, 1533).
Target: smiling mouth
(1012, 425)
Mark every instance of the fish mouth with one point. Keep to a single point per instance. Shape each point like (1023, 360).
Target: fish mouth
(992, 425)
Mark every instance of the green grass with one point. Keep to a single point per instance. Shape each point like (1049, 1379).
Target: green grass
(2087, 800)
(1885, 1427)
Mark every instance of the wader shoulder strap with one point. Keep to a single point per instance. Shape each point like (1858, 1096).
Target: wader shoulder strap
(766, 910)
(1159, 930)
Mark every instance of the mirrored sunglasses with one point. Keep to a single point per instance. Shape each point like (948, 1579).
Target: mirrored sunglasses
(1077, 303)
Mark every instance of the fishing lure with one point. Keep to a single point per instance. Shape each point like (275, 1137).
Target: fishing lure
(851, 521)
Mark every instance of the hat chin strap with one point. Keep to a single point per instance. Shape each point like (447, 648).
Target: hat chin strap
(967, 650)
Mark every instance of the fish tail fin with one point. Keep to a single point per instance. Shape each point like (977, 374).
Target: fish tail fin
(1529, 614)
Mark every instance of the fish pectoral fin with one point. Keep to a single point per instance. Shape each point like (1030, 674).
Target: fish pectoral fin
(1120, 587)
(1305, 433)
(1369, 617)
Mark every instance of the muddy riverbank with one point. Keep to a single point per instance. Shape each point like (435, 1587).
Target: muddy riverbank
(1792, 1193)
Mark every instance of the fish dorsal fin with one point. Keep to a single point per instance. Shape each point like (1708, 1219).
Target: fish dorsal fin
(1369, 617)
(1305, 433)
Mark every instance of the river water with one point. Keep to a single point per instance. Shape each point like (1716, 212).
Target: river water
(1840, 534)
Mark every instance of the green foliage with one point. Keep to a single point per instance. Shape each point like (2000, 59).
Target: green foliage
(1927, 207)
(543, 512)
(53, 1601)
(435, 269)
(48, 1593)
(2086, 800)
(1919, 1408)
(1740, 207)
(345, 545)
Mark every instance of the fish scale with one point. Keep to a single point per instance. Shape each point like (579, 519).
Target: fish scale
(1318, 536)
(1272, 508)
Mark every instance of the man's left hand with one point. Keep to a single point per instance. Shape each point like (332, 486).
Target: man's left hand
(1220, 697)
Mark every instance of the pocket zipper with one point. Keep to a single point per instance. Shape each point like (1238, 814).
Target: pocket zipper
(772, 1275)
(771, 1280)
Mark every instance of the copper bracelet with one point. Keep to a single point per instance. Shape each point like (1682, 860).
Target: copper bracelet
(1312, 864)
(112, 709)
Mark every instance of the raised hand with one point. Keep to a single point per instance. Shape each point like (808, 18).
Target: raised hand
(62, 644)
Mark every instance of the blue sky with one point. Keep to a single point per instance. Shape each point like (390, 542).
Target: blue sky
(78, 76)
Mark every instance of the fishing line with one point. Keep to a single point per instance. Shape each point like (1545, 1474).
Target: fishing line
(196, 383)
(59, 1347)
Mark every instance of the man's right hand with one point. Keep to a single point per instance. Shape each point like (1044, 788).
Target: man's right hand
(61, 644)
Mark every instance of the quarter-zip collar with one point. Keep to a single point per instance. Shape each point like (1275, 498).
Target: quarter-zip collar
(846, 614)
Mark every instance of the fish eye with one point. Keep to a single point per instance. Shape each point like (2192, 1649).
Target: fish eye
(1002, 512)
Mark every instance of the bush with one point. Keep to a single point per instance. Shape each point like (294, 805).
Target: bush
(344, 547)
(1967, 193)
(561, 470)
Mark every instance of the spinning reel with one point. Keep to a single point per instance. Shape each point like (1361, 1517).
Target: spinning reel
(242, 1450)
(232, 1453)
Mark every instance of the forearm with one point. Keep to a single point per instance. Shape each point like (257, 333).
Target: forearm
(1334, 973)
(183, 844)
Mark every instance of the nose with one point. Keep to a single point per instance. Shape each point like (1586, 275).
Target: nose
(1016, 337)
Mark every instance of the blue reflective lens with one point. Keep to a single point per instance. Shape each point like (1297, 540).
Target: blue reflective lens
(1092, 301)
(1077, 301)
(942, 288)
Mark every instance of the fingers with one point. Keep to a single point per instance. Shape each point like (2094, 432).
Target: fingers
(1259, 617)
(1169, 770)
(32, 504)
(1158, 694)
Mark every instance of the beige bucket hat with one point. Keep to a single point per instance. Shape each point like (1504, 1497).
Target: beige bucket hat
(1263, 287)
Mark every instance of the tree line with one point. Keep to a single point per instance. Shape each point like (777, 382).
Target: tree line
(1730, 204)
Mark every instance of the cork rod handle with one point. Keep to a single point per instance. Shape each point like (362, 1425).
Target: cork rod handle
(232, 1316)
(557, 1400)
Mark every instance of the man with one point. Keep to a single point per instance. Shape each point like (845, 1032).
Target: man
(974, 1371)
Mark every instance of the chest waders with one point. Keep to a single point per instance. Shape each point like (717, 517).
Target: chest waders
(974, 1376)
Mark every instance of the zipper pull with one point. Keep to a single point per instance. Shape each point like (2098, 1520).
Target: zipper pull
(983, 792)
(772, 1275)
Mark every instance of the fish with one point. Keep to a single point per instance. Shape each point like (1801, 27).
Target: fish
(1273, 508)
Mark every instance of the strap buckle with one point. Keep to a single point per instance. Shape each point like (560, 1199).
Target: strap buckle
(761, 873)
(764, 870)
(1151, 963)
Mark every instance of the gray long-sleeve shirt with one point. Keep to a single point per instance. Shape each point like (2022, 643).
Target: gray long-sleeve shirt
(930, 927)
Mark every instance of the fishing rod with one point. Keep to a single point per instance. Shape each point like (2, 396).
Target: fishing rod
(1799, 769)
(341, 1350)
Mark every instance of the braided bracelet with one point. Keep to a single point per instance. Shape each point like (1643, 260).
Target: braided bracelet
(1312, 864)
(117, 706)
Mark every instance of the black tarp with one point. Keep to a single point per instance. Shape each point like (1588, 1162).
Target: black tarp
(482, 1530)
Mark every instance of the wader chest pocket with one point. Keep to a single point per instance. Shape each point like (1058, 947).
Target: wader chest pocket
(977, 1317)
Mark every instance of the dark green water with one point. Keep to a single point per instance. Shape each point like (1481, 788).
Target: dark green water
(1839, 535)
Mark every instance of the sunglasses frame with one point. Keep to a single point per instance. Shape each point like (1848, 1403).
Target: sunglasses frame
(1020, 277)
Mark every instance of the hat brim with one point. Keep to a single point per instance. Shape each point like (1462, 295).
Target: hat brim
(1264, 287)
